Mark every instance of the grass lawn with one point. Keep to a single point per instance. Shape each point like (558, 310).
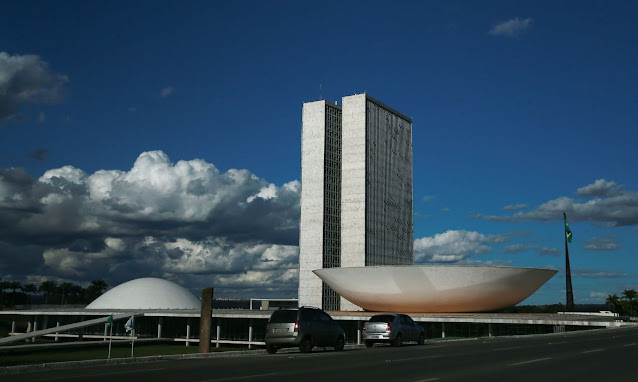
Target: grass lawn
(120, 350)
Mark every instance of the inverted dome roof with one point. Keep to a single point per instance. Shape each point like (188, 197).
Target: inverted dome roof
(434, 288)
(146, 293)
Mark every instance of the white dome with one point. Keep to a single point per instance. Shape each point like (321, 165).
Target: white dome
(434, 288)
(146, 293)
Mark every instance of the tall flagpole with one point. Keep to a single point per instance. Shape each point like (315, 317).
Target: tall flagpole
(568, 272)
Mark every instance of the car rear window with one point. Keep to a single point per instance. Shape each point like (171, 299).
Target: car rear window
(382, 318)
(283, 316)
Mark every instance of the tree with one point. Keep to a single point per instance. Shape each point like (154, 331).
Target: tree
(14, 286)
(64, 289)
(75, 293)
(95, 290)
(629, 295)
(29, 289)
(3, 286)
(48, 288)
(613, 301)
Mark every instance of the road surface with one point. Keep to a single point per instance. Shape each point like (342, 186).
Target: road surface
(604, 354)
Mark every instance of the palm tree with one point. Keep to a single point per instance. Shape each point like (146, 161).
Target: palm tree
(95, 290)
(14, 285)
(613, 301)
(75, 292)
(64, 289)
(630, 295)
(29, 289)
(3, 285)
(48, 288)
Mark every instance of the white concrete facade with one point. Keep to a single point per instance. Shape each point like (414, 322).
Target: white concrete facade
(353, 186)
(376, 201)
(313, 136)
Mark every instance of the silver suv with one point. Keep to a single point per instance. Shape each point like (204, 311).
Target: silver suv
(304, 327)
(392, 328)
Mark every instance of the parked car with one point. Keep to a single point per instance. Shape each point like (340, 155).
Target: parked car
(392, 328)
(304, 327)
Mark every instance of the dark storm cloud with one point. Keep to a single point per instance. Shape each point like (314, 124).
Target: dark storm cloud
(24, 79)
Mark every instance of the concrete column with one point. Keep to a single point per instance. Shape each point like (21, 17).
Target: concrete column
(81, 335)
(442, 329)
(29, 325)
(250, 334)
(205, 320)
(56, 337)
(219, 332)
(13, 326)
(35, 328)
(159, 327)
(489, 330)
(359, 332)
(188, 332)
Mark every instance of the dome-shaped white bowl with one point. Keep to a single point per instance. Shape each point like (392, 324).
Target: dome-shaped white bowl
(434, 288)
(146, 293)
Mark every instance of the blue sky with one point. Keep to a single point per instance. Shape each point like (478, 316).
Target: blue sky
(163, 139)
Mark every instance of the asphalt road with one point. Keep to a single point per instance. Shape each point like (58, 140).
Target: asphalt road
(606, 354)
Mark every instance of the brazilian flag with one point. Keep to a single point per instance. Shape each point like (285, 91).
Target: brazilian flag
(568, 232)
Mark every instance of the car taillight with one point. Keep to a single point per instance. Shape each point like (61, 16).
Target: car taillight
(297, 326)
(389, 327)
(267, 325)
(364, 328)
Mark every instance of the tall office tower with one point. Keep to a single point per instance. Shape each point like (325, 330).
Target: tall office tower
(376, 186)
(356, 192)
(320, 225)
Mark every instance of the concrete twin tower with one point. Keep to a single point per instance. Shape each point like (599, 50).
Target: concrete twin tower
(356, 195)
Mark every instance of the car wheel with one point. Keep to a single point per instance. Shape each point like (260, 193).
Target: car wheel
(369, 344)
(270, 349)
(397, 340)
(421, 339)
(306, 345)
(339, 344)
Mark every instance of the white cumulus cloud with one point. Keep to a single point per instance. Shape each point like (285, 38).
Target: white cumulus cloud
(185, 221)
(454, 246)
